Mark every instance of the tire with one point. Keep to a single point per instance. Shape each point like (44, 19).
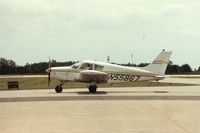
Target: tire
(58, 89)
(92, 88)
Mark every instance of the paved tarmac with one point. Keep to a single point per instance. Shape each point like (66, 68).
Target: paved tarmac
(111, 110)
(187, 79)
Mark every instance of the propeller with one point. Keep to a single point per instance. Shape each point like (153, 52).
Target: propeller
(49, 72)
(49, 78)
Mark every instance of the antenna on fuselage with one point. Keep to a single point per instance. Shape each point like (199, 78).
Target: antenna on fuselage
(108, 59)
(132, 59)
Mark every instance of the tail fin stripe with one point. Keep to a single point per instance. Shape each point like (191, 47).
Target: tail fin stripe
(160, 62)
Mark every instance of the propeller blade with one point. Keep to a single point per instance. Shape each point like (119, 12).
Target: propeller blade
(49, 79)
(49, 72)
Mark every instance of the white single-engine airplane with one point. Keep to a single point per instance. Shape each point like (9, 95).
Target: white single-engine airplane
(95, 72)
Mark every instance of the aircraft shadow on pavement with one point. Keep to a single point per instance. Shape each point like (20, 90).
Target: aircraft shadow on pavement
(112, 92)
(88, 93)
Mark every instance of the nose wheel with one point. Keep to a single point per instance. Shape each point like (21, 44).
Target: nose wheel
(92, 88)
(59, 88)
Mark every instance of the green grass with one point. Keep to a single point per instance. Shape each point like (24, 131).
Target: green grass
(41, 83)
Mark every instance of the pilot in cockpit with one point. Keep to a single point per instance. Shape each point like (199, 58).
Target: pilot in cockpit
(88, 66)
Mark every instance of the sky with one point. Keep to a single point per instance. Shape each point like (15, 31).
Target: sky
(33, 30)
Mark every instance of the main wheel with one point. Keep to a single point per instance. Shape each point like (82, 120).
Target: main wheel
(92, 88)
(58, 89)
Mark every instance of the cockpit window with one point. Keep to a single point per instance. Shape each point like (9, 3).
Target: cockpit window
(98, 67)
(86, 66)
(76, 65)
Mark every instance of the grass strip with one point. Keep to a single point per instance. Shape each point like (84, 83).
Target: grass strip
(41, 83)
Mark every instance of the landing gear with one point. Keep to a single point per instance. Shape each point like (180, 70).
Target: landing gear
(92, 88)
(59, 88)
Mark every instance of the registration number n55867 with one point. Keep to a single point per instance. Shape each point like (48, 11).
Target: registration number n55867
(121, 77)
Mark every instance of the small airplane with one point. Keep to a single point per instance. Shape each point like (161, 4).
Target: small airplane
(95, 72)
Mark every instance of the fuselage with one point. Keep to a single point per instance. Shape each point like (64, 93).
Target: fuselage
(115, 73)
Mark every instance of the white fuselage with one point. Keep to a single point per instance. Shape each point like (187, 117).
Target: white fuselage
(116, 73)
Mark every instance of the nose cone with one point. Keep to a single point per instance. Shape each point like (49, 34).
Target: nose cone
(48, 70)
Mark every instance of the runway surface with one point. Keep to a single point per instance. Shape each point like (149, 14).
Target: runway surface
(111, 110)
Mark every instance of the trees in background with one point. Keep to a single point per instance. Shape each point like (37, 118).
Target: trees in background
(7, 66)
(176, 69)
(10, 67)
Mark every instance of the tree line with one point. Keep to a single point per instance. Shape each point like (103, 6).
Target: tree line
(10, 67)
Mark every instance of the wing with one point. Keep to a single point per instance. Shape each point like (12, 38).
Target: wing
(89, 76)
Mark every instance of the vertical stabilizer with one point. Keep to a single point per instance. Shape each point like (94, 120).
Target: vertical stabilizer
(159, 65)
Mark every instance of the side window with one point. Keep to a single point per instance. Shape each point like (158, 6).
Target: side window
(86, 66)
(98, 67)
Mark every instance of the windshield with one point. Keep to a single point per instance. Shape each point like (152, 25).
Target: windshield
(86, 66)
(76, 65)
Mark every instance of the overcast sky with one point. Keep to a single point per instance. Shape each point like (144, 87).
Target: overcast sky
(33, 30)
